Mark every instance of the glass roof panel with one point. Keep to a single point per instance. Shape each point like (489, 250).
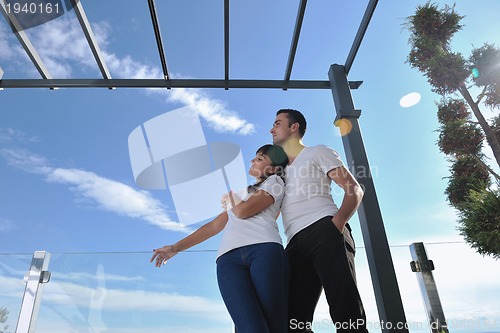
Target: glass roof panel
(191, 29)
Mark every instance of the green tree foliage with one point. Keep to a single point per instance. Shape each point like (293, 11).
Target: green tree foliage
(467, 174)
(480, 218)
(484, 65)
(464, 131)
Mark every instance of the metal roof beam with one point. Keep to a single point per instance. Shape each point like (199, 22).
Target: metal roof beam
(175, 83)
(226, 39)
(25, 41)
(156, 28)
(295, 39)
(89, 34)
(370, 9)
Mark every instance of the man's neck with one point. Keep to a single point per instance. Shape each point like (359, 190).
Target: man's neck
(292, 148)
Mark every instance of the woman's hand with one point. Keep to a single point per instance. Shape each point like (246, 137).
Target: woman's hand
(163, 254)
(229, 200)
(225, 201)
(235, 198)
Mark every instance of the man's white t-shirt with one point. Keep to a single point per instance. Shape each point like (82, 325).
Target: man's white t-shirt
(308, 195)
(260, 228)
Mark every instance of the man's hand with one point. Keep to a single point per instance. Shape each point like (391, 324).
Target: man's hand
(339, 223)
(353, 194)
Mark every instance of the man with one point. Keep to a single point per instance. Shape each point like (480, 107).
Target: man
(320, 247)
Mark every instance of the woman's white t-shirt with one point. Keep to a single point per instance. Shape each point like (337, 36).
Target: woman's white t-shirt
(308, 195)
(260, 228)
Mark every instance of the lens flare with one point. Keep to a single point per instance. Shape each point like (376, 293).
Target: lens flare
(344, 125)
(410, 100)
(475, 73)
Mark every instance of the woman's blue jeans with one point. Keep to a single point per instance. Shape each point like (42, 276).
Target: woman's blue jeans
(253, 281)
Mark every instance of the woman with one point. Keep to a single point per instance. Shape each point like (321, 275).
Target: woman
(252, 269)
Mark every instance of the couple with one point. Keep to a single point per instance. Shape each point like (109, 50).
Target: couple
(268, 289)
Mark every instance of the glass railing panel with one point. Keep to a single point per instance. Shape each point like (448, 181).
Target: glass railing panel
(410, 294)
(468, 285)
(416, 319)
(13, 268)
(124, 293)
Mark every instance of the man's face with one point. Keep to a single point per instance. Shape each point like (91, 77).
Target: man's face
(281, 131)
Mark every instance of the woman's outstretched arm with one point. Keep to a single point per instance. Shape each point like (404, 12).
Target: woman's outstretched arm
(203, 233)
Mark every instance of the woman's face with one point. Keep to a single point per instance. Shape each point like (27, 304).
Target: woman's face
(261, 166)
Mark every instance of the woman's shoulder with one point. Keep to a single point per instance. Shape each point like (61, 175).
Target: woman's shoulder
(274, 179)
(272, 184)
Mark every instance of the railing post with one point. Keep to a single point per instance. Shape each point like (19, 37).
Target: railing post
(35, 279)
(424, 267)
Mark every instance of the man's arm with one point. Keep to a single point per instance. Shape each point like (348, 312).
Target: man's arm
(353, 193)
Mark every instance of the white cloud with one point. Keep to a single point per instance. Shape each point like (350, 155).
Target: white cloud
(62, 45)
(63, 303)
(127, 67)
(12, 287)
(24, 160)
(81, 276)
(213, 111)
(107, 194)
(114, 196)
(51, 328)
(10, 49)
(6, 51)
(8, 135)
(120, 300)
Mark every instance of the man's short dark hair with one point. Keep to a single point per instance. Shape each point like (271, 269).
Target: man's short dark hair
(295, 116)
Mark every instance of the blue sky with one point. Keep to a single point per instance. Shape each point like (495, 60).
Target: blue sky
(65, 174)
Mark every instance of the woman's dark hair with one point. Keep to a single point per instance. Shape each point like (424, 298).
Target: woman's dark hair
(278, 159)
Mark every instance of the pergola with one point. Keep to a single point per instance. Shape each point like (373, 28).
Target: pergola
(387, 294)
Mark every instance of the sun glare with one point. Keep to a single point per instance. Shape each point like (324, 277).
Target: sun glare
(410, 100)
(344, 125)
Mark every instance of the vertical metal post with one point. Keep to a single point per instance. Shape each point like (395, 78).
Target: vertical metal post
(36, 277)
(385, 285)
(424, 267)
(1, 76)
